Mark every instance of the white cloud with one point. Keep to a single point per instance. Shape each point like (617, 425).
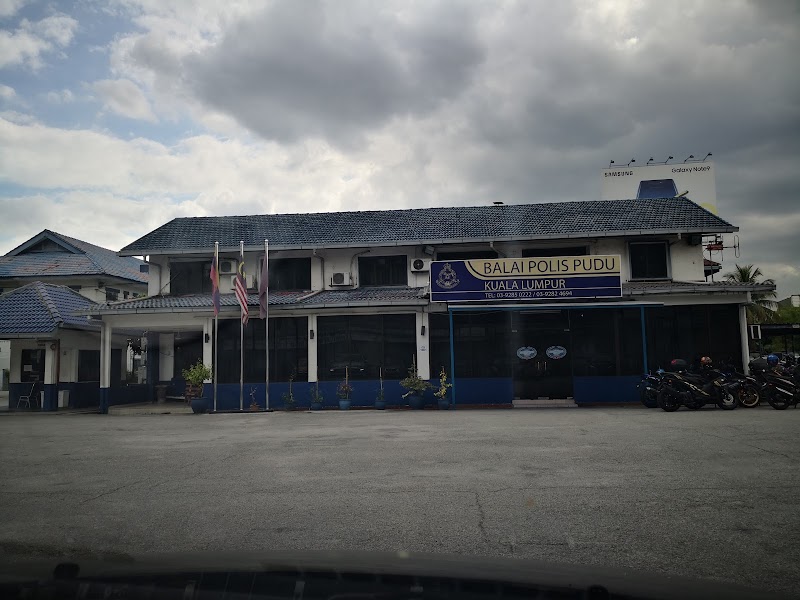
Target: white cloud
(7, 92)
(64, 96)
(8, 8)
(124, 98)
(31, 39)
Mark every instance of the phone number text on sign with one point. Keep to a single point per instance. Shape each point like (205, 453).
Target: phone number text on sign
(522, 295)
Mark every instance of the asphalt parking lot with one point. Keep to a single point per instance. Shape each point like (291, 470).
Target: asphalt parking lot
(710, 494)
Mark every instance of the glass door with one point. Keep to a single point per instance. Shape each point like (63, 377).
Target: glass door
(541, 354)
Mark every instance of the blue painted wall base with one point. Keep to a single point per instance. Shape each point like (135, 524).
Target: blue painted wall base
(105, 395)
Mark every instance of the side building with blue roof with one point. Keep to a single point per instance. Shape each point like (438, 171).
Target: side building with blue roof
(54, 349)
(60, 263)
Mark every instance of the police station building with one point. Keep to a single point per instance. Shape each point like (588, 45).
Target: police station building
(518, 303)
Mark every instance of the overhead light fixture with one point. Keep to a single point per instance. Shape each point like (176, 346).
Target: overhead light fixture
(707, 155)
(690, 156)
(649, 161)
(669, 158)
(611, 163)
(633, 160)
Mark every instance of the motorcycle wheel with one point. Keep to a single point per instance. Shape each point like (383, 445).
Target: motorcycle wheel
(667, 401)
(649, 400)
(749, 396)
(727, 400)
(778, 403)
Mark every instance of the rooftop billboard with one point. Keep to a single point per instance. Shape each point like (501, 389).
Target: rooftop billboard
(695, 180)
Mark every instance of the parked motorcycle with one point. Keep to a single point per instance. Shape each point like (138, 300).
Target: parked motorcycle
(749, 393)
(694, 390)
(780, 384)
(648, 388)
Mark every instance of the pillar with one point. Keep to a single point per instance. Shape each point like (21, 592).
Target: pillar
(151, 364)
(50, 384)
(105, 365)
(313, 334)
(423, 345)
(743, 335)
(208, 345)
(166, 367)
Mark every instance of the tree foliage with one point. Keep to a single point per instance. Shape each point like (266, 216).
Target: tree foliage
(762, 305)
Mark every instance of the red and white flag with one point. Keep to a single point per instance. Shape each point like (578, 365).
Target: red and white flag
(240, 288)
(263, 286)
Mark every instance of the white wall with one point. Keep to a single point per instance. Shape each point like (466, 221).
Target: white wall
(687, 261)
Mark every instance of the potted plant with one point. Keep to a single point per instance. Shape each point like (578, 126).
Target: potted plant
(344, 390)
(195, 375)
(415, 385)
(441, 393)
(288, 397)
(316, 397)
(380, 401)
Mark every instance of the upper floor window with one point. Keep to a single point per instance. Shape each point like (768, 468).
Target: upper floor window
(287, 274)
(191, 277)
(112, 294)
(649, 260)
(383, 270)
(546, 252)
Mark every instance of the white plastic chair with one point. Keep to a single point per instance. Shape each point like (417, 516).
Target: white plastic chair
(26, 398)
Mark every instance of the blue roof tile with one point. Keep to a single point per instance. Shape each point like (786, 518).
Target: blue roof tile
(306, 298)
(522, 221)
(81, 258)
(42, 308)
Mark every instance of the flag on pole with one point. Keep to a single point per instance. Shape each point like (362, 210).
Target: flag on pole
(215, 279)
(263, 286)
(240, 288)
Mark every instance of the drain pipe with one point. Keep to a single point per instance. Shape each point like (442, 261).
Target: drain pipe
(353, 262)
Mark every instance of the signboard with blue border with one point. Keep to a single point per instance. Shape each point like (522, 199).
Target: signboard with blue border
(550, 278)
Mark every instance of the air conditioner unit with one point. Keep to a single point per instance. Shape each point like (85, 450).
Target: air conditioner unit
(342, 279)
(227, 267)
(420, 265)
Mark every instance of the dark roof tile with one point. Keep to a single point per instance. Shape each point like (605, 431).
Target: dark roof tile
(42, 308)
(526, 221)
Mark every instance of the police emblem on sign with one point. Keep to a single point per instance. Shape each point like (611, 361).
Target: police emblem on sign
(447, 278)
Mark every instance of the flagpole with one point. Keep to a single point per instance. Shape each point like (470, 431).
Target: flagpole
(266, 325)
(216, 326)
(241, 339)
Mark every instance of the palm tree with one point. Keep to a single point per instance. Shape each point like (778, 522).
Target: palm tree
(761, 308)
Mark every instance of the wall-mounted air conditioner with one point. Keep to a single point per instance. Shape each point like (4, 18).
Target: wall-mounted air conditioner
(227, 267)
(343, 278)
(420, 265)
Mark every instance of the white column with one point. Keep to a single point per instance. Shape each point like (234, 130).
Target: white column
(105, 354)
(743, 334)
(423, 346)
(312, 348)
(166, 359)
(50, 359)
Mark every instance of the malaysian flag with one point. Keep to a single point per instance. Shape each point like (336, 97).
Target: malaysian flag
(240, 288)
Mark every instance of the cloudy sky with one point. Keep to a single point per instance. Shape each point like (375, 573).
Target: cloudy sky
(116, 116)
